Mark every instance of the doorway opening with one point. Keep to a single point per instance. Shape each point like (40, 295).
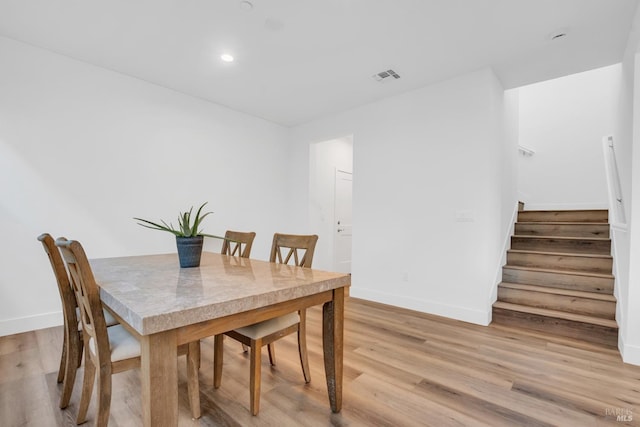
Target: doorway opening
(330, 201)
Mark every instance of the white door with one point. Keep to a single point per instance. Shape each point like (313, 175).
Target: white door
(342, 224)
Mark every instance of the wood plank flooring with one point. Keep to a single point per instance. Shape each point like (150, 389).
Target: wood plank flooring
(402, 368)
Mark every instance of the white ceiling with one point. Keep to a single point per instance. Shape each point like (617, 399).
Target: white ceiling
(298, 60)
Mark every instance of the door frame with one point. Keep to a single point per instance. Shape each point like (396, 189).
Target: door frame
(324, 158)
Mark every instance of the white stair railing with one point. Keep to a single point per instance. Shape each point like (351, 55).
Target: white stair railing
(616, 203)
(525, 151)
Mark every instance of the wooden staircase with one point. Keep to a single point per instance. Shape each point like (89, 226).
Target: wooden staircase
(558, 276)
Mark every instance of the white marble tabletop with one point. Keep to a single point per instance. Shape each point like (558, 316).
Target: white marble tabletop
(153, 294)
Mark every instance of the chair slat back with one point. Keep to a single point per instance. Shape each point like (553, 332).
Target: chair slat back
(87, 295)
(238, 243)
(67, 295)
(300, 248)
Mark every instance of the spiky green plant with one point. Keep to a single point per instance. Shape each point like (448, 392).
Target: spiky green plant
(188, 225)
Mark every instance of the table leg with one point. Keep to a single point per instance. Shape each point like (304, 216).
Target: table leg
(332, 337)
(159, 376)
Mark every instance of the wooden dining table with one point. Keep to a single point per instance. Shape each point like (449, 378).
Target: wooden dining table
(166, 306)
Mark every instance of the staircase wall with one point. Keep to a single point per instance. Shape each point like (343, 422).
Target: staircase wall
(627, 136)
(560, 134)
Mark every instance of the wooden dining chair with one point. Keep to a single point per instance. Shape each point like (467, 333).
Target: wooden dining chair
(238, 243)
(72, 347)
(235, 243)
(299, 249)
(109, 350)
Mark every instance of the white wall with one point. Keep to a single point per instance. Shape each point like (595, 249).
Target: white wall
(509, 205)
(324, 159)
(83, 150)
(631, 330)
(563, 121)
(627, 240)
(422, 159)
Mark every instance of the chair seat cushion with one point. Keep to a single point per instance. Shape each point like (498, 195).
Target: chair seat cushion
(108, 318)
(267, 327)
(123, 344)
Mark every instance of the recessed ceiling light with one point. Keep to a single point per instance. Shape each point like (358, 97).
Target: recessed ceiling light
(225, 57)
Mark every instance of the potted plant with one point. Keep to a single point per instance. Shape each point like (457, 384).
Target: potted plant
(189, 237)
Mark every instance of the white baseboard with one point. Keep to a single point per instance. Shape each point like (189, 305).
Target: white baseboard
(506, 244)
(30, 323)
(630, 353)
(477, 317)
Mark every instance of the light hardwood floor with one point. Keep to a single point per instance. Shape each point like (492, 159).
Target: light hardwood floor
(402, 368)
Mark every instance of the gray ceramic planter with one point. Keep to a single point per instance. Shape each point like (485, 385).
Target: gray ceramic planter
(189, 250)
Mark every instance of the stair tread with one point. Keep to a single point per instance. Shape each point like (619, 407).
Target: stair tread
(567, 272)
(559, 291)
(583, 216)
(573, 254)
(600, 224)
(557, 314)
(529, 236)
(565, 210)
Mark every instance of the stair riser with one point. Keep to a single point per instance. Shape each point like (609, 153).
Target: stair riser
(563, 216)
(561, 262)
(595, 334)
(580, 246)
(563, 230)
(569, 304)
(602, 285)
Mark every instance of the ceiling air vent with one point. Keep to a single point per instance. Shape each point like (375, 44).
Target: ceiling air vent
(386, 76)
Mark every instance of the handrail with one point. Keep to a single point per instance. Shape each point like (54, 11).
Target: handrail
(616, 204)
(526, 151)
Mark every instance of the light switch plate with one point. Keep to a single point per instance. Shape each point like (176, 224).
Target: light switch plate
(465, 215)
